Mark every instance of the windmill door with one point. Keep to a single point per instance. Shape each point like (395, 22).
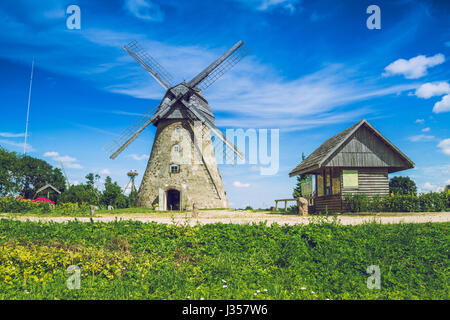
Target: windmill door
(161, 200)
(173, 199)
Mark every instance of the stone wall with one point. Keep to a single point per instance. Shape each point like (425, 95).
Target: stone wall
(194, 181)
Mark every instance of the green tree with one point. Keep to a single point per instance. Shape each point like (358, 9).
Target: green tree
(87, 192)
(300, 179)
(8, 173)
(447, 188)
(113, 195)
(402, 185)
(132, 198)
(24, 175)
(79, 194)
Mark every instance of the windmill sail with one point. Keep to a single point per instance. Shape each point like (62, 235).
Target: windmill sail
(178, 96)
(214, 130)
(150, 64)
(218, 68)
(129, 135)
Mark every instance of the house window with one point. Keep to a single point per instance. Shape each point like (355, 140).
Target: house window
(327, 182)
(174, 168)
(350, 178)
(176, 148)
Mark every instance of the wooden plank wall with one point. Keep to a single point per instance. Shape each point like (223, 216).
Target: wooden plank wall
(371, 182)
(333, 203)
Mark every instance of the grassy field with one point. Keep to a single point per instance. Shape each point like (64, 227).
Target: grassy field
(133, 260)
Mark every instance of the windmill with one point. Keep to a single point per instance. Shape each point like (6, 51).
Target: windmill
(182, 168)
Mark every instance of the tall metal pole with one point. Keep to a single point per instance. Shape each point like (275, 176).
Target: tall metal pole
(28, 109)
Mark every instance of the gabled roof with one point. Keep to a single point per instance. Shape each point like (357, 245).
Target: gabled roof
(46, 187)
(325, 152)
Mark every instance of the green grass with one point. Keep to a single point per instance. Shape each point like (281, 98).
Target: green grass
(132, 260)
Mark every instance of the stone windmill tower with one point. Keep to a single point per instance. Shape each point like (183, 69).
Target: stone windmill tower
(182, 169)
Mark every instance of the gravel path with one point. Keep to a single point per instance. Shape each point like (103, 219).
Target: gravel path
(242, 217)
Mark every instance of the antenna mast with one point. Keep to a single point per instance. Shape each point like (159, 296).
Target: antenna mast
(28, 109)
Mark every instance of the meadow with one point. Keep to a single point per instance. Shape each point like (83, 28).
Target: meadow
(134, 260)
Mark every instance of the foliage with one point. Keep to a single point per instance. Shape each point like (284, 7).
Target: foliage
(113, 196)
(297, 193)
(79, 194)
(25, 175)
(426, 202)
(402, 185)
(20, 205)
(133, 260)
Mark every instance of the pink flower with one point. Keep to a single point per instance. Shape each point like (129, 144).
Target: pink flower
(43, 200)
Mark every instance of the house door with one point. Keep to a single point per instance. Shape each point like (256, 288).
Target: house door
(173, 199)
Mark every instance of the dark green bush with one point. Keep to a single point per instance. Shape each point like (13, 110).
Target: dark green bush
(426, 202)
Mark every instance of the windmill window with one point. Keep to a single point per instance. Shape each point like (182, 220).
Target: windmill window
(176, 148)
(177, 129)
(174, 168)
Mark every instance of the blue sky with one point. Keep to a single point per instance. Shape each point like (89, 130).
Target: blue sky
(314, 70)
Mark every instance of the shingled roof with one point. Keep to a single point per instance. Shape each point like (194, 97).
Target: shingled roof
(321, 155)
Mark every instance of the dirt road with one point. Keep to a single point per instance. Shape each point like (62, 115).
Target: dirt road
(242, 217)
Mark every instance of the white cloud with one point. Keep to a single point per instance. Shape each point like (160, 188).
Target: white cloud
(67, 161)
(11, 135)
(444, 145)
(72, 165)
(428, 186)
(420, 121)
(239, 184)
(421, 137)
(443, 105)
(29, 148)
(426, 129)
(266, 5)
(432, 89)
(415, 67)
(51, 154)
(105, 171)
(64, 159)
(137, 157)
(145, 10)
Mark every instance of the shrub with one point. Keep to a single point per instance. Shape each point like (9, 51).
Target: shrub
(17, 205)
(79, 194)
(431, 202)
(357, 202)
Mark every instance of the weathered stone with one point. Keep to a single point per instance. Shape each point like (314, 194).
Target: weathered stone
(194, 210)
(195, 182)
(302, 206)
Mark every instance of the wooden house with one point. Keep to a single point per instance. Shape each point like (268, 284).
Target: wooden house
(357, 160)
